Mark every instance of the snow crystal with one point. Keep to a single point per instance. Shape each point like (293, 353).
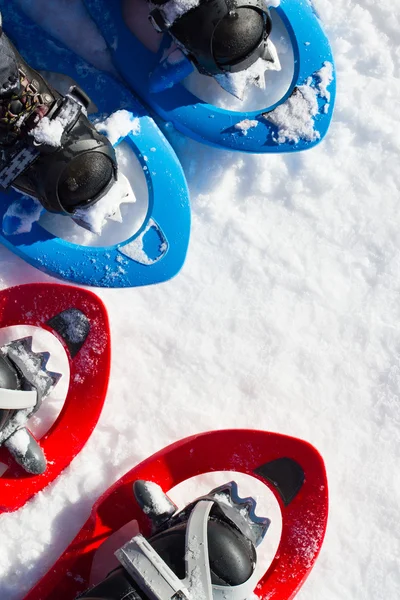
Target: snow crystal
(245, 125)
(119, 125)
(48, 131)
(109, 207)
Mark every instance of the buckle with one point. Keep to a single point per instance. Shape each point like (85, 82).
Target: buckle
(77, 94)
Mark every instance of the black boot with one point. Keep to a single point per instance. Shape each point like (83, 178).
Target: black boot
(218, 36)
(233, 532)
(72, 172)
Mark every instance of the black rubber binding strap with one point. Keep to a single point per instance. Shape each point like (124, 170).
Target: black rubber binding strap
(199, 48)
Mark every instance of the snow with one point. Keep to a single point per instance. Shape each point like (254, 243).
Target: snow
(48, 132)
(119, 125)
(20, 442)
(159, 502)
(135, 249)
(285, 318)
(295, 117)
(325, 75)
(245, 125)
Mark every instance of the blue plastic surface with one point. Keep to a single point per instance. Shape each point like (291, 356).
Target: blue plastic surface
(207, 123)
(159, 247)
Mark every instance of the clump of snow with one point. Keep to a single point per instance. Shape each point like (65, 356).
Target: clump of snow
(325, 75)
(160, 503)
(49, 132)
(245, 125)
(119, 125)
(295, 117)
(109, 207)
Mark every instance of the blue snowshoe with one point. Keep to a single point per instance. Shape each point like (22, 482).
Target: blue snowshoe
(55, 159)
(231, 42)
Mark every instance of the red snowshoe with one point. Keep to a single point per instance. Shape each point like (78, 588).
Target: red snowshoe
(79, 320)
(208, 550)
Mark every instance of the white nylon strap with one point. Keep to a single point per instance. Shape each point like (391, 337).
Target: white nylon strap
(159, 582)
(149, 570)
(198, 575)
(17, 399)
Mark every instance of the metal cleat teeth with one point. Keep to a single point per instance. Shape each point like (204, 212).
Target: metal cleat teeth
(241, 511)
(32, 366)
(25, 343)
(44, 358)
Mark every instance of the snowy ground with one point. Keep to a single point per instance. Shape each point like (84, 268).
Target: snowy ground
(285, 317)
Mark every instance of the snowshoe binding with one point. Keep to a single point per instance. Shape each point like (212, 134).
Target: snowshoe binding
(58, 157)
(24, 384)
(209, 550)
(49, 150)
(79, 321)
(218, 37)
(232, 42)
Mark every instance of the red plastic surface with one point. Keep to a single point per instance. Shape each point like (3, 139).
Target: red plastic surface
(35, 304)
(303, 520)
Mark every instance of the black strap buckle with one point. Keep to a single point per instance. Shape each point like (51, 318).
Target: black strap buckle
(79, 95)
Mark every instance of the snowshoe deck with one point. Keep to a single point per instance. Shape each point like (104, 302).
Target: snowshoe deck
(292, 469)
(157, 251)
(216, 126)
(79, 320)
